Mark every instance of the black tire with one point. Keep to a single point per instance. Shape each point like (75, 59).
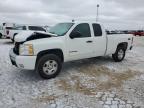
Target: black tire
(0, 35)
(43, 60)
(116, 55)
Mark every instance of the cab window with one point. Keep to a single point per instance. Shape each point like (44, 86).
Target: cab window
(83, 29)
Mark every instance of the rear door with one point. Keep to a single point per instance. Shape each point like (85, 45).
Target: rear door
(81, 47)
(100, 40)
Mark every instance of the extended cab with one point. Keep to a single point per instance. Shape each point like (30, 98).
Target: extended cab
(46, 52)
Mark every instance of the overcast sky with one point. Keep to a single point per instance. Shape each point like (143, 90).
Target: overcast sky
(114, 14)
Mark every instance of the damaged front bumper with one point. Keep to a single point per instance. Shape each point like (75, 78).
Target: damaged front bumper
(23, 62)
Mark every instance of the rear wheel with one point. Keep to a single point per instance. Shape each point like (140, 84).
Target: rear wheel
(119, 54)
(49, 66)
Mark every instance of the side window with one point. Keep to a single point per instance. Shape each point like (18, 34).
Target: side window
(32, 28)
(20, 28)
(83, 29)
(36, 28)
(24, 27)
(97, 30)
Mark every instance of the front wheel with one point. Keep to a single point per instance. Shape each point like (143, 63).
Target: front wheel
(119, 54)
(49, 66)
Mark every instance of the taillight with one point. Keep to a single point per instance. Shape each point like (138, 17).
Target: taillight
(7, 32)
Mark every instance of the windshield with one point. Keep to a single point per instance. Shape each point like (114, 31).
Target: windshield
(61, 28)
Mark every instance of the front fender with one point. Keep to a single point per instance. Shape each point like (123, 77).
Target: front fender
(48, 44)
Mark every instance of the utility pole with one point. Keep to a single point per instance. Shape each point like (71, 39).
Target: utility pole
(97, 17)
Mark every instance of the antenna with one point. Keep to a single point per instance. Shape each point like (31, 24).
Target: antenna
(97, 16)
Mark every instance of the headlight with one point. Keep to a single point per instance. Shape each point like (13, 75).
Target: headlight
(26, 49)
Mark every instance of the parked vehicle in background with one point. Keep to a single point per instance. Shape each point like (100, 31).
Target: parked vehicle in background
(46, 52)
(1, 31)
(7, 32)
(6, 29)
(19, 28)
(138, 33)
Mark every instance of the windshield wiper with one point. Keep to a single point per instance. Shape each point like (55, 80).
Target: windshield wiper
(55, 35)
(52, 32)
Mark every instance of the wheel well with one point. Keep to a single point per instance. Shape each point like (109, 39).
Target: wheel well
(123, 44)
(57, 52)
(15, 34)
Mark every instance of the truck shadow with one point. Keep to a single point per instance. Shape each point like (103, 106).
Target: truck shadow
(29, 75)
(87, 62)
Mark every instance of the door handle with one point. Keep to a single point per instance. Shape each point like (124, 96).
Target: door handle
(89, 41)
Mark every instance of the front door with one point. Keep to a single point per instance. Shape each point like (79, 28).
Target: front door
(82, 46)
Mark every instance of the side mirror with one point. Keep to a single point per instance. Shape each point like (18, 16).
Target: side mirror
(75, 35)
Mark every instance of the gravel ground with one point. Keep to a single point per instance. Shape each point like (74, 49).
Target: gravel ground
(89, 83)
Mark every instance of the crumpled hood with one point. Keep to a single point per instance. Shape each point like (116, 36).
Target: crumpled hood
(31, 35)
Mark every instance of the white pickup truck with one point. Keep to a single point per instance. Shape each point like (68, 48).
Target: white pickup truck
(46, 52)
(20, 28)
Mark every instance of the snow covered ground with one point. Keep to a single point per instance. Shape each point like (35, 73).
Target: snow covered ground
(90, 83)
